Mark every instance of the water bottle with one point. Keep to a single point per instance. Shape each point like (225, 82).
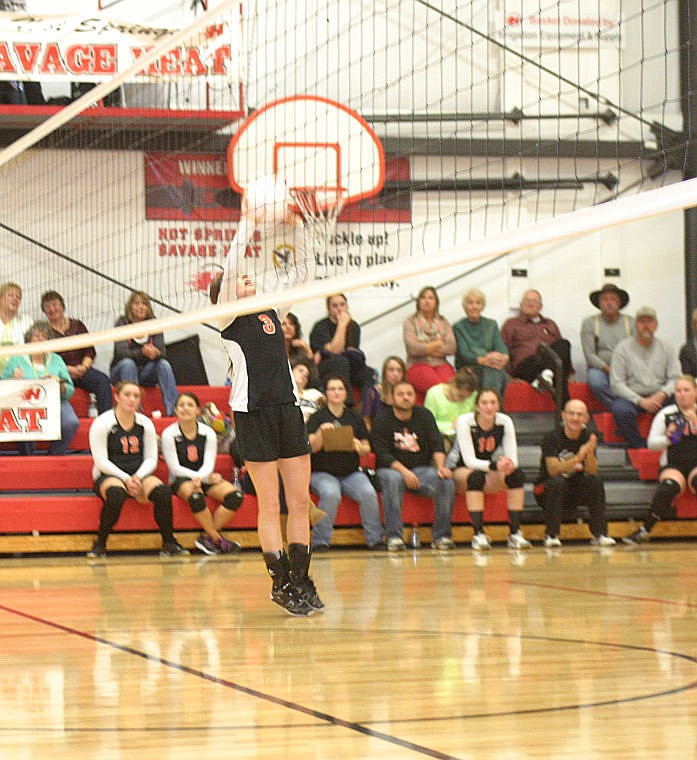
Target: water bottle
(92, 408)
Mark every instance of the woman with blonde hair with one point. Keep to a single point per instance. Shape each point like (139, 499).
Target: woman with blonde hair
(479, 343)
(674, 432)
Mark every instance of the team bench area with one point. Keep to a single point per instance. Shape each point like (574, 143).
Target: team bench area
(47, 504)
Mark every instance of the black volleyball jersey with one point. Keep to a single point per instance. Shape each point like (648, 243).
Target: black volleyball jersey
(190, 453)
(477, 446)
(125, 447)
(682, 441)
(186, 457)
(117, 451)
(261, 375)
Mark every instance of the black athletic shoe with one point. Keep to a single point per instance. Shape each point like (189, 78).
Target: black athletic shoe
(308, 592)
(288, 596)
(98, 550)
(173, 549)
(641, 536)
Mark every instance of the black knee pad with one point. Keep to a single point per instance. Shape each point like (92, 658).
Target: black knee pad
(233, 500)
(197, 502)
(476, 480)
(161, 495)
(668, 489)
(516, 479)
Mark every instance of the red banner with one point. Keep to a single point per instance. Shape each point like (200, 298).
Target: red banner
(194, 187)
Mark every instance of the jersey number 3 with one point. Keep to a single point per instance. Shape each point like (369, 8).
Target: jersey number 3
(267, 324)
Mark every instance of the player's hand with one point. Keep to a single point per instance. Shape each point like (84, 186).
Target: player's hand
(133, 485)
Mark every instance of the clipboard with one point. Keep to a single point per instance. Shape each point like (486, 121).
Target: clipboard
(338, 438)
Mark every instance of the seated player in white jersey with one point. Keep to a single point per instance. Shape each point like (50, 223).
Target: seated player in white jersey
(268, 421)
(124, 449)
(190, 450)
(674, 432)
(485, 460)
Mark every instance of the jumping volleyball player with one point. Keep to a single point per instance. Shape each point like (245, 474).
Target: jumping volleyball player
(268, 420)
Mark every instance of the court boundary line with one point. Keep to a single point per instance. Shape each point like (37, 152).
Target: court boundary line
(608, 594)
(319, 715)
(364, 727)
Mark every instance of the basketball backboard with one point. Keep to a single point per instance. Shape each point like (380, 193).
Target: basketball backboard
(311, 142)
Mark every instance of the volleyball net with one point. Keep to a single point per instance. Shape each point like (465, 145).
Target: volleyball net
(495, 128)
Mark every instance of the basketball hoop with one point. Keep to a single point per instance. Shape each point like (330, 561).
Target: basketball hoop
(318, 205)
(320, 208)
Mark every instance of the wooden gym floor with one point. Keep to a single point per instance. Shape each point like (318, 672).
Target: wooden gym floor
(579, 653)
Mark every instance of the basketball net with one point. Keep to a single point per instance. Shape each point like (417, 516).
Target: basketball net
(320, 208)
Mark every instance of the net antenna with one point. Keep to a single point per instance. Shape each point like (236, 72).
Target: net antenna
(326, 153)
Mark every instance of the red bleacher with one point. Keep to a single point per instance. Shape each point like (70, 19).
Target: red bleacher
(79, 511)
(522, 397)
(71, 507)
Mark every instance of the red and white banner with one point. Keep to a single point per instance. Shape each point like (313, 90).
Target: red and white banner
(30, 410)
(195, 187)
(95, 48)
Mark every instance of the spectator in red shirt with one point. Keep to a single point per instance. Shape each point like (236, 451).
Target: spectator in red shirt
(526, 337)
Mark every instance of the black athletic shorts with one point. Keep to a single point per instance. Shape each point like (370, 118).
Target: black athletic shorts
(271, 432)
(98, 483)
(683, 463)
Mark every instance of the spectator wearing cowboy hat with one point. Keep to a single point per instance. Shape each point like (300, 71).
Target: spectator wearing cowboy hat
(600, 333)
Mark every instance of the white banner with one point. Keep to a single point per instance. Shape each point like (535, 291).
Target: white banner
(95, 48)
(566, 24)
(30, 410)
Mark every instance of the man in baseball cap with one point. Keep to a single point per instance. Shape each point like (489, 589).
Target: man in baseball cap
(642, 376)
